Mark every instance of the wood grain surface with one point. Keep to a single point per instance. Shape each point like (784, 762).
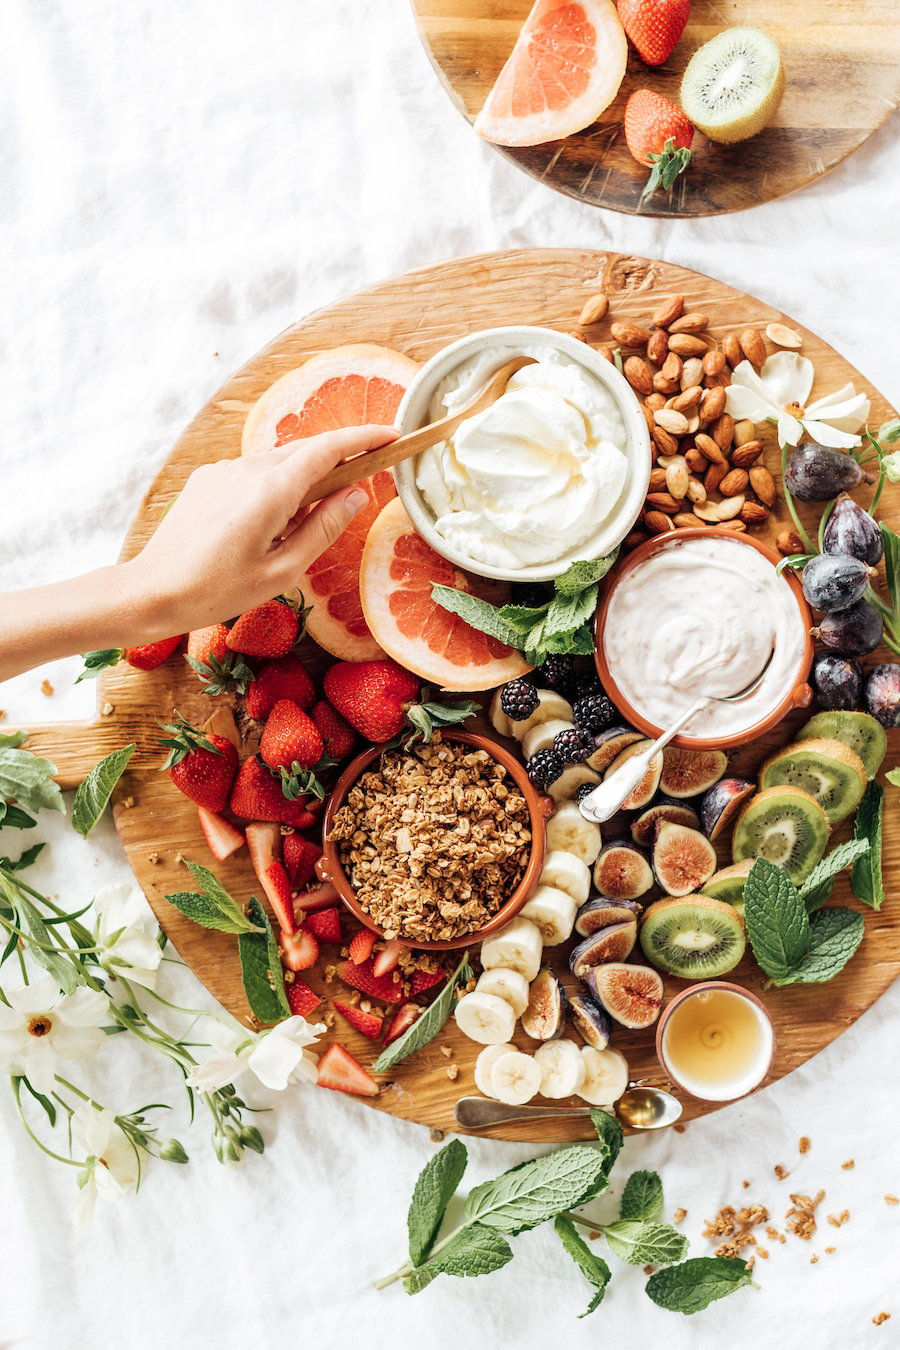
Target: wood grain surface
(419, 313)
(842, 62)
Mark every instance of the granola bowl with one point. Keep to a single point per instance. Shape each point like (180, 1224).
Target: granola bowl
(510, 833)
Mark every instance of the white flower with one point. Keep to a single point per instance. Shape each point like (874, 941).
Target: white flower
(276, 1057)
(891, 465)
(126, 935)
(780, 390)
(41, 1024)
(111, 1161)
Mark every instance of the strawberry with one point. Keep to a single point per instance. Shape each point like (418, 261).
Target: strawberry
(299, 950)
(372, 695)
(362, 945)
(300, 858)
(290, 741)
(388, 958)
(221, 836)
(320, 897)
(362, 977)
(325, 925)
(401, 1021)
(423, 980)
(268, 630)
(152, 654)
(366, 1023)
(337, 734)
(202, 767)
(654, 26)
(264, 844)
(301, 999)
(258, 796)
(338, 1070)
(657, 134)
(207, 644)
(285, 677)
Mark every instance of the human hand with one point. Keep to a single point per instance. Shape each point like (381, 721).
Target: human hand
(233, 538)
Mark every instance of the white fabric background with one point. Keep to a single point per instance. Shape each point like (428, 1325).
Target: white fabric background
(178, 182)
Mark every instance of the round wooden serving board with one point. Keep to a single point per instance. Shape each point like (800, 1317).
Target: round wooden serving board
(842, 63)
(419, 313)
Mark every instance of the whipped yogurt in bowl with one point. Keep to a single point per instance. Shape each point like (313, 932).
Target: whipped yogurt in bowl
(556, 470)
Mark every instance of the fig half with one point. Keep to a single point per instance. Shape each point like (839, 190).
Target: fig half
(601, 912)
(591, 1021)
(645, 790)
(632, 995)
(682, 858)
(644, 828)
(722, 803)
(545, 1017)
(611, 743)
(622, 871)
(687, 773)
(609, 944)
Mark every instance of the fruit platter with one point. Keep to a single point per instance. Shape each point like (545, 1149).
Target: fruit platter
(757, 100)
(403, 785)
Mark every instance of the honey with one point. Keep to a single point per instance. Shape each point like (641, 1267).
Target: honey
(717, 1043)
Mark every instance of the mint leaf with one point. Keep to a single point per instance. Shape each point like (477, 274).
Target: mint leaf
(95, 790)
(437, 1182)
(523, 617)
(581, 574)
(893, 777)
(261, 968)
(214, 907)
(776, 919)
(94, 662)
(692, 1286)
(11, 740)
(818, 886)
(892, 566)
(533, 1192)
(477, 613)
(14, 818)
(865, 877)
(611, 1137)
(645, 1244)
(568, 612)
(473, 1251)
(642, 1197)
(593, 1268)
(835, 935)
(26, 778)
(427, 1025)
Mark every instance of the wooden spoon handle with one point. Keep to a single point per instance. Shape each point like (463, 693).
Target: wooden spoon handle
(385, 457)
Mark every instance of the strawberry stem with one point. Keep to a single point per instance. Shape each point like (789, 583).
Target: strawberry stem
(666, 167)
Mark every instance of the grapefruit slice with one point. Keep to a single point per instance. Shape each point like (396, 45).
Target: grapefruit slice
(345, 387)
(398, 571)
(566, 67)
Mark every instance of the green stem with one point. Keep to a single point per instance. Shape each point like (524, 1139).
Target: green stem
(215, 1013)
(789, 500)
(58, 1157)
(407, 1268)
(882, 479)
(823, 521)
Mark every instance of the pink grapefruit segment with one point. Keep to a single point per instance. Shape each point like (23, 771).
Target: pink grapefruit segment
(397, 574)
(566, 67)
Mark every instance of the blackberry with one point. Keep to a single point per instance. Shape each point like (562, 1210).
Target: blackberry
(594, 713)
(584, 685)
(531, 594)
(544, 768)
(518, 700)
(557, 672)
(582, 791)
(574, 745)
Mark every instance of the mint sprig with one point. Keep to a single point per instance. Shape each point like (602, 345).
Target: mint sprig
(212, 906)
(94, 791)
(26, 778)
(791, 945)
(434, 1190)
(691, 1286)
(593, 1267)
(865, 876)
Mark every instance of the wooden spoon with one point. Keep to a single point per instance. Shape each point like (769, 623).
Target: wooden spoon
(386, 456)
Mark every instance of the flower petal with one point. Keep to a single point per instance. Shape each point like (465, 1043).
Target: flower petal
(830, 400)
(849, 415)
(91, 1129)
(83, 1208)
(789, 429)
(39, 1062)
(273, 1059)
(215, 1072)
(83, 1008)
(830, 436)
(41, 995)
(119, 906)
(747, 397)
(787, 377)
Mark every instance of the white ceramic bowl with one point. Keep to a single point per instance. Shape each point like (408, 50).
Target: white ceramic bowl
(413, 413)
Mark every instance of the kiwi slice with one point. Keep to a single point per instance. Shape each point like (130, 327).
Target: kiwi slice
(858, 731)
(733, 85)
(828, 770)
(785, 825)
(728, 884)
(693, 937)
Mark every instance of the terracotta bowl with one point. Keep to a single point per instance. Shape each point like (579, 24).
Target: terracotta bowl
(690, 993)
(539, 808)
(799, 695)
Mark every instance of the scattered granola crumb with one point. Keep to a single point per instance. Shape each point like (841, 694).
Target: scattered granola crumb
(830, 1251)
(848, 1165)
(752, 1216)
(774, 1236)
(648, 1270)
(804, 1145)
(892, 1199)
(801, 1217)
(746, 1185)
(328, 1017)
(435, 1135)
(453, 1072)
(781, 1172)
(838, 1220)
(751, 1263)
(592, 1236)
(47, 689)
(679, 1216)
(763, 1252)
(128, 803)
(153, 858)
(446, 1051)
(881, 1317)
(679, 1128)
(365, 1005)
(179, 857)
(722, 1225)
(108, 709)
(2, 713)
(734, 1246)
(330, 972)
(813, 1259)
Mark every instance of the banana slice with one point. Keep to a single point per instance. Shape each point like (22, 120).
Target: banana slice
(568, 873)
(518, 946)
(484, 1065)
(606, 1076)
(554, 913)
(515, 1078)
(506, 984)
(498, 718)
(543, 735)
(550, 705)
(485, 1018)
(562, 1066)
(568, 830)
(570, 780)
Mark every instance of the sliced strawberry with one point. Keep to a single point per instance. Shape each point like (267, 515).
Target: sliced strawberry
(366, 1023)
(362, 945)
(401, 1021)
(387, 989)
(151, 655)
(325, 925)
(300, 858)
(340, 1071)
(320, 897)
(278, 893)
(299, 950)
(423, 980)
(301, 998)
(221, 836)
(388, 958)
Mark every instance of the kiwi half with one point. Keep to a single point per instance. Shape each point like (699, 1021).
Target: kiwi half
(857, 730)
(828, 770)
(693, 937)
(785, 825)
(733, 85)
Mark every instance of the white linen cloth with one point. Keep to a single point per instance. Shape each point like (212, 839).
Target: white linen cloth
(177, 184)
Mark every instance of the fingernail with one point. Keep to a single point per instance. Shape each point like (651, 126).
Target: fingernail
(356, 500)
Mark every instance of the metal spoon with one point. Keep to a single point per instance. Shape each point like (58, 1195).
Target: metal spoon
(640, 1107)
(386, 456)
(608, 796)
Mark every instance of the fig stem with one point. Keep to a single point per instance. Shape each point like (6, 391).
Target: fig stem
(801, 530)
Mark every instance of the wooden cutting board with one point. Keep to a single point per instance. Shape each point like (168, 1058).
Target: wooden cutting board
(842, 63)
(418, 314)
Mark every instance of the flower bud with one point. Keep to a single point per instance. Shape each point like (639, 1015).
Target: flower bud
(173, 1151)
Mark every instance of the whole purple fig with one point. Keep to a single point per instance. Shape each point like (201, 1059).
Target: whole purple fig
(815, 473)
(851, 632)
(852, 530)
(883, 694)
(838, 682)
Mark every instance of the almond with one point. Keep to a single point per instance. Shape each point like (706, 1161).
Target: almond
(648, 417)
(696, 492)
(667, 311)
(737, 526)
(752, 513)
(710, 450)
(752, 346)
(690, 323)
(713, 363)
(712, 405)
(744, 431)
(731, 350)
(718, 381)
(664, 441)
(673, 367)
(657, 480)
(714, 475)
(783, 336)
(687, 345)
(629, 335)
(657, 521)
(674, 422)
(594, 309)
(658, 347)
(663, 385)
(691, 372)
(687, 399)
(722, 431)
(763, 484)
(678, 477)
(695, 461)
(745, 455)
(663, 501)
(706, 512)
(729, 507)
(605, 354)
(639, 375)
(636, 537)
(735, 481)
(789, 542)
(685, 520)
(654, 401)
